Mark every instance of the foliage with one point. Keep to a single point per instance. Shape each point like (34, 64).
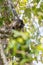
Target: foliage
(26, 45)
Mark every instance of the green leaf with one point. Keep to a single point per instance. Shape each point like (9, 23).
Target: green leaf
(27, 12)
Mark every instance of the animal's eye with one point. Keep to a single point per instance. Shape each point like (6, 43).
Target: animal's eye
(13, 28)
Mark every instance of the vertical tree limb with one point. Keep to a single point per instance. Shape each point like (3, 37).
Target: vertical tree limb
(5, 62)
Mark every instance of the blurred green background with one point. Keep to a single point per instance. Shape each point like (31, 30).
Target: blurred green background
(25, 46)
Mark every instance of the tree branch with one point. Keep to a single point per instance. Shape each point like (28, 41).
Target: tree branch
(3, 55)
(11, 6)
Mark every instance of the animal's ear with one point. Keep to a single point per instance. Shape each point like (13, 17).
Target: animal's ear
(21, 23)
